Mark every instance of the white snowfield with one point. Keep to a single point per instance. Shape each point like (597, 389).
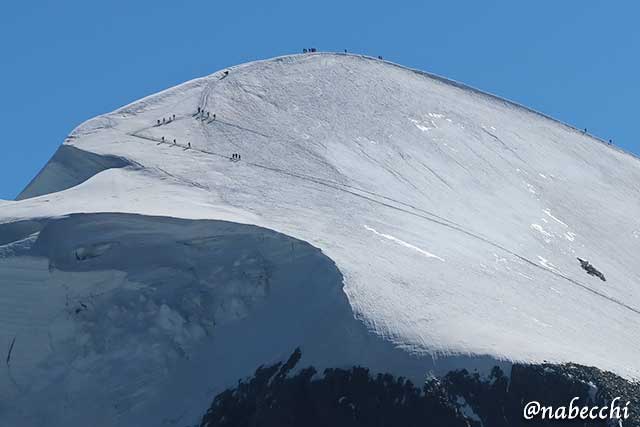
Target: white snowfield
(378, 216)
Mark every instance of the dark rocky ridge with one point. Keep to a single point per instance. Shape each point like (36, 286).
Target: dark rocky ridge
(355, 397)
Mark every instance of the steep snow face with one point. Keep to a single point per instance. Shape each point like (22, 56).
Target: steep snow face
(115, 301)
(454, 219)
(69, 167)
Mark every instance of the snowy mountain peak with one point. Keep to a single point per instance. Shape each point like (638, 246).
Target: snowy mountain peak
(368, 213)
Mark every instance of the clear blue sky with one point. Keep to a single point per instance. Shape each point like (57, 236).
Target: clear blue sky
(63, 62)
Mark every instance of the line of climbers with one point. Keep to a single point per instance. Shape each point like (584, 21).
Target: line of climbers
(200, 110)
(201, 113)
(175, 142)
(313, 50)
(166, 121)
(584, 131)
(235, 157)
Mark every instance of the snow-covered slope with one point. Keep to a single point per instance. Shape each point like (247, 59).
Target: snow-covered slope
(378, 216)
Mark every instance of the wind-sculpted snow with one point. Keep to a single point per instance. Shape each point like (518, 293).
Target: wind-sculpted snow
(69, 167)
(449, 224)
